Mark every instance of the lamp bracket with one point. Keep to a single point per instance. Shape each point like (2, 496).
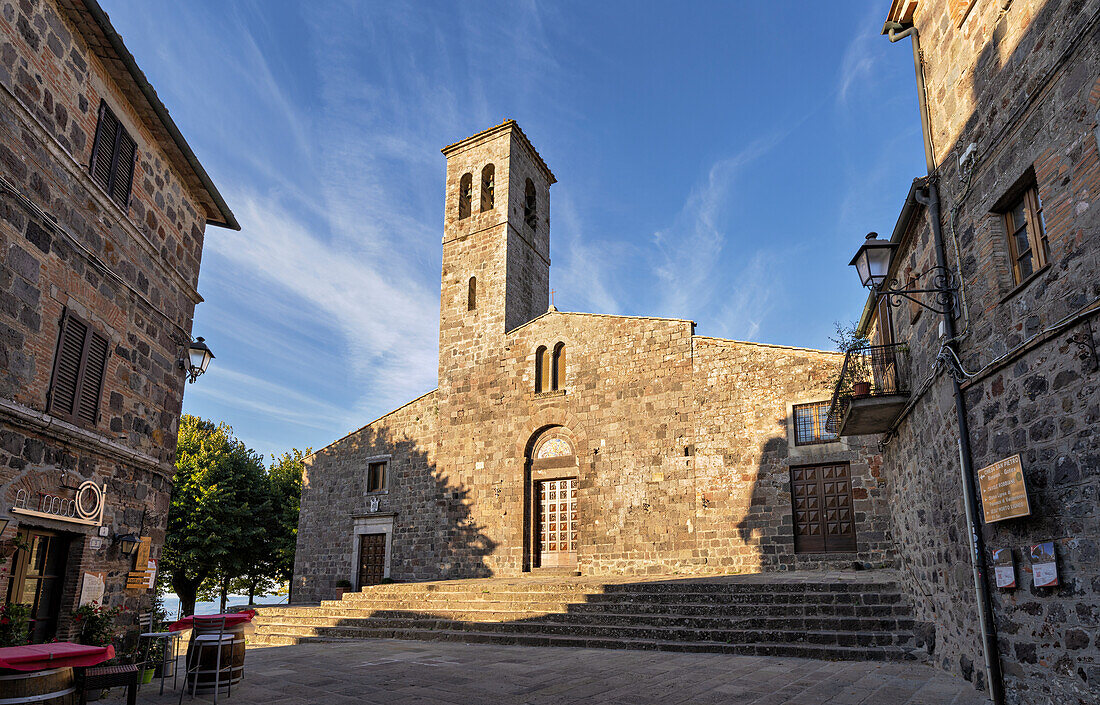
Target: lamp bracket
(942, 289)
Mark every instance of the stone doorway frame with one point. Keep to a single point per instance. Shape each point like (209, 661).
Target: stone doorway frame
(536, 470)
(379, 523)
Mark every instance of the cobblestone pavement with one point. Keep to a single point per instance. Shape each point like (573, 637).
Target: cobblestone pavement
(408, 672)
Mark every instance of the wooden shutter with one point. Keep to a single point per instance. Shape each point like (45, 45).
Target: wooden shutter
(66, 371)
(104, 146)
(113, 155)
(124, 169)
(79, 369)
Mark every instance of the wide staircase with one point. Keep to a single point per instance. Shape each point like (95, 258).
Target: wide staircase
(835, 616)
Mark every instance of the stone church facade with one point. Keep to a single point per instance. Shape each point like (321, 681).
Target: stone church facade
(576, 442)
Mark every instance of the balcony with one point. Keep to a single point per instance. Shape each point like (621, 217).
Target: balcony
(872, 390)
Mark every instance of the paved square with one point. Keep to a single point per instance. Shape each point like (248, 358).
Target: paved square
(432, 673)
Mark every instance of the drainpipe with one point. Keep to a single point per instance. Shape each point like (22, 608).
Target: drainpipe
(918, 65)
(930, 198)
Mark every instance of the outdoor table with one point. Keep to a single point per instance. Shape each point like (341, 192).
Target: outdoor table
(164, 638)
(43, 673)
(236, 624)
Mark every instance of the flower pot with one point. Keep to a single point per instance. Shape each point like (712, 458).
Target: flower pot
(147, 675)
(340, 593)
(861, 389)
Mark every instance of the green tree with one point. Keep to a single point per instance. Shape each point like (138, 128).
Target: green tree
(220, 511)
(285, 477)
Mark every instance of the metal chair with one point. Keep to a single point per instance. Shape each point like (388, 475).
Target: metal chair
(209, 632)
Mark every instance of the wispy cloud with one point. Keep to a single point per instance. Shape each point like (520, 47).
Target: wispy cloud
(689, 252)
(584, 272)
(858, 62)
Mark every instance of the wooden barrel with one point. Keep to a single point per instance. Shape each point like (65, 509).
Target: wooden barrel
(232, 658)
(53, 686)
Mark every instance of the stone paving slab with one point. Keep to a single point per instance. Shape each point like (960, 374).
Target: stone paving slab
(408, 673)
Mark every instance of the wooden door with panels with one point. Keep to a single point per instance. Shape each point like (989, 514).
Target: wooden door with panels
(372, 559)
(824, 519)
(38, 574)
(558, 523)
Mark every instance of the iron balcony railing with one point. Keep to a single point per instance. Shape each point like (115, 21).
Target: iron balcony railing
(872, 371)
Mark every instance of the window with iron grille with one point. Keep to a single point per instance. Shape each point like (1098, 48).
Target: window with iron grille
(78, 372)
(113, 155)
(809, 424)
(376, 476)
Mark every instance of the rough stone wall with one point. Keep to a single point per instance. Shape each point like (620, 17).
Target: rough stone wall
(130, 272)
(744, 452)
(334, 491)
(1023, 86)
(682, 460)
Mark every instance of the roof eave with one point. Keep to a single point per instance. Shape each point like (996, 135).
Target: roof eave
(228, 220)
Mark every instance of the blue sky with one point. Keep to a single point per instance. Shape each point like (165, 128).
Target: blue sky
(718, 161)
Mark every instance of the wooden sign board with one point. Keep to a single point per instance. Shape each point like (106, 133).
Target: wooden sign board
(1004, 494)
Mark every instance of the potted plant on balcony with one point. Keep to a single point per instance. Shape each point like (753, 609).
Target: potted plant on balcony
(854, 378)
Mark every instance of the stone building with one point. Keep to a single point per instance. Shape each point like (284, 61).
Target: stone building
(1013, 104)
(576, 442)
(103, 208)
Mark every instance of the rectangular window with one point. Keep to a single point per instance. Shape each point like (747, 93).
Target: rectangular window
(78, 372)
(376, 476)
(809, 424)
(1027, 238)
(113, 154)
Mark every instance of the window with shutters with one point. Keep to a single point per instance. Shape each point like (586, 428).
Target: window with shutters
(376, 476)
(113, 154)
(78, 372)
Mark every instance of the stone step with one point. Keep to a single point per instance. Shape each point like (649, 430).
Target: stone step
(388, 628)
(410, 591)
(388, 619)
(505, 611)
(799, 650)
(533, 602)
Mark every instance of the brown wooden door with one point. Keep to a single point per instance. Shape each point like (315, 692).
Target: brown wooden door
(372, 559)
(823, 516)
(558, 523)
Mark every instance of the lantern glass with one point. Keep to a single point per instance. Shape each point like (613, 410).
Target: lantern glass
(872, 261)
(128, 543)
(200, 356)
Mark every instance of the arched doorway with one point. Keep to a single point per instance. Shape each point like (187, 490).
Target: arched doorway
(552, 501)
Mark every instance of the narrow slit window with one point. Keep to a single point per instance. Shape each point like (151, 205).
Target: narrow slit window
(488, 188)
(557, 380)
(471, 294)
(465, 195)
(541, 363)
(530, 210)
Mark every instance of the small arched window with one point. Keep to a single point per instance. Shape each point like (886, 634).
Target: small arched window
(529, 205)
(557, 380)
(488, 187)
(542, 363)
(471, 295)
(465, 195)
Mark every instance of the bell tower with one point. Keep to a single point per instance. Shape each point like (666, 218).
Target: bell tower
(496, 246)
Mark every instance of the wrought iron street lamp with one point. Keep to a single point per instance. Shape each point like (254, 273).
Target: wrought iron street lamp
(872, 262)
(127, 544)
(199, 357)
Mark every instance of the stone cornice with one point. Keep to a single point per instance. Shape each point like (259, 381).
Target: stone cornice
(26, 417)
(95, 191)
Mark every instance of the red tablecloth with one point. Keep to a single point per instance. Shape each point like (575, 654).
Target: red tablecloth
(61, 654)
(231, 619)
